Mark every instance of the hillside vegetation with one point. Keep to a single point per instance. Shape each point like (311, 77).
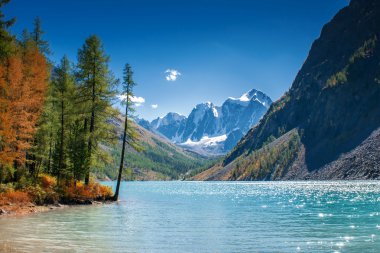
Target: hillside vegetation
(159, 159)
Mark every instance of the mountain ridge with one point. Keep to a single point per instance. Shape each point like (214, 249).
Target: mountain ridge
(211, 129)
(332, 107)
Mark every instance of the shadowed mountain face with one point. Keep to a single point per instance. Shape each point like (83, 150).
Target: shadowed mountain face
(333, 105)
(211, 129)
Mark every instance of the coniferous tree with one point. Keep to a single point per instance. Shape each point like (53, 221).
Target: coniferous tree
(96, 89)
(40, 152)
(37, 34)
(45, 140)
(6, 132)
(130, 136)
(6, 38)
(77, 149)
(63, 91)
(25, 38)
(25, 79)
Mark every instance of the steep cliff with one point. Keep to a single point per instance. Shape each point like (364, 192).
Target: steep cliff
(332, 109)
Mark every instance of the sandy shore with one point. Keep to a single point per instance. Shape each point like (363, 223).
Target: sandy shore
(16, 209)
(12, 209)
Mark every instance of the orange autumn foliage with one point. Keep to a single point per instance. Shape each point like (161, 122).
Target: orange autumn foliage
(7, 134)
(47, 181)
(23, 84)
(93, 191)
(14, 197)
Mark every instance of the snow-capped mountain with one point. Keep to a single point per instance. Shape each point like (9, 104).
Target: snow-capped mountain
(214, 129)
(168, 125)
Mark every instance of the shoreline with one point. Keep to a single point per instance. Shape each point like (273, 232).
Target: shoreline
(18, 210)
(46, 196)
(26, 209)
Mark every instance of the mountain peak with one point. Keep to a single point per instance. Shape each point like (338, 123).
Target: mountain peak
(236, 116)
(249, 95)
(174, 116)
(253, 95)
(206, 104)
(260, 96)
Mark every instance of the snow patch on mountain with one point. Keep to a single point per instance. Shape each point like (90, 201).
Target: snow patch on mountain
(244, 98)
(214, 129)
(215, 112)
(206, 141)
(207, 145)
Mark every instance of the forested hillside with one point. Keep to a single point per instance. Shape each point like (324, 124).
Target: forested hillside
(158, 160)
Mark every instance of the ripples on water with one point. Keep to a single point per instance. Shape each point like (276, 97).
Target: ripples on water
(210, 217)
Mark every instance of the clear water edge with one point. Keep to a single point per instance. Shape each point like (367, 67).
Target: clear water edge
(320, 216)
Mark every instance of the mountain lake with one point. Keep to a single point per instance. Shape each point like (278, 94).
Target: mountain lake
(307, 216)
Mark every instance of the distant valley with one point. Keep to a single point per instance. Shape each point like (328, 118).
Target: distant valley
(159, 159)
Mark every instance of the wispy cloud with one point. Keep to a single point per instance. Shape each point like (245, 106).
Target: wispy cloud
(172, 74)
(138, 101)
(154, 106)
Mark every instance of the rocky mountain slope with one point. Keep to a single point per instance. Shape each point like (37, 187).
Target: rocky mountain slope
(160, 159)
(211, 129)
(327, 125)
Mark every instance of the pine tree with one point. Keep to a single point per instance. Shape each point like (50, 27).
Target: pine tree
(45, 140)
(37, 34)
(96, 92)
(6, 38)
(130, 136)
(77, 149)
(64, 86)
(26, 38)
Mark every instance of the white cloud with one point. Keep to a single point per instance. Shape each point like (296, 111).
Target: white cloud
(121, 97)
(172, 75)
(138, 101)
(154, 106)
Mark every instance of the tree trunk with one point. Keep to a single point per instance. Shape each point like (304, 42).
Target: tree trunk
(116, 196)
(50, 149)
(87, 178)
(61, 142)
(92, 127)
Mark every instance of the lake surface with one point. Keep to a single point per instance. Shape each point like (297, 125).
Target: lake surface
(210, 217)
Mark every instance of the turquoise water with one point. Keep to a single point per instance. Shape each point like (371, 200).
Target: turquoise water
(211, 217)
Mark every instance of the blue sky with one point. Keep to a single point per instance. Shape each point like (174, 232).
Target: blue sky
(220, 48)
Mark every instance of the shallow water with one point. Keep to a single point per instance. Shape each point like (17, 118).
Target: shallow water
(210, 217)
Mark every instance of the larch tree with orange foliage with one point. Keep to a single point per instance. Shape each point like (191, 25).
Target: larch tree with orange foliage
(25, 80)
(6, 133)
